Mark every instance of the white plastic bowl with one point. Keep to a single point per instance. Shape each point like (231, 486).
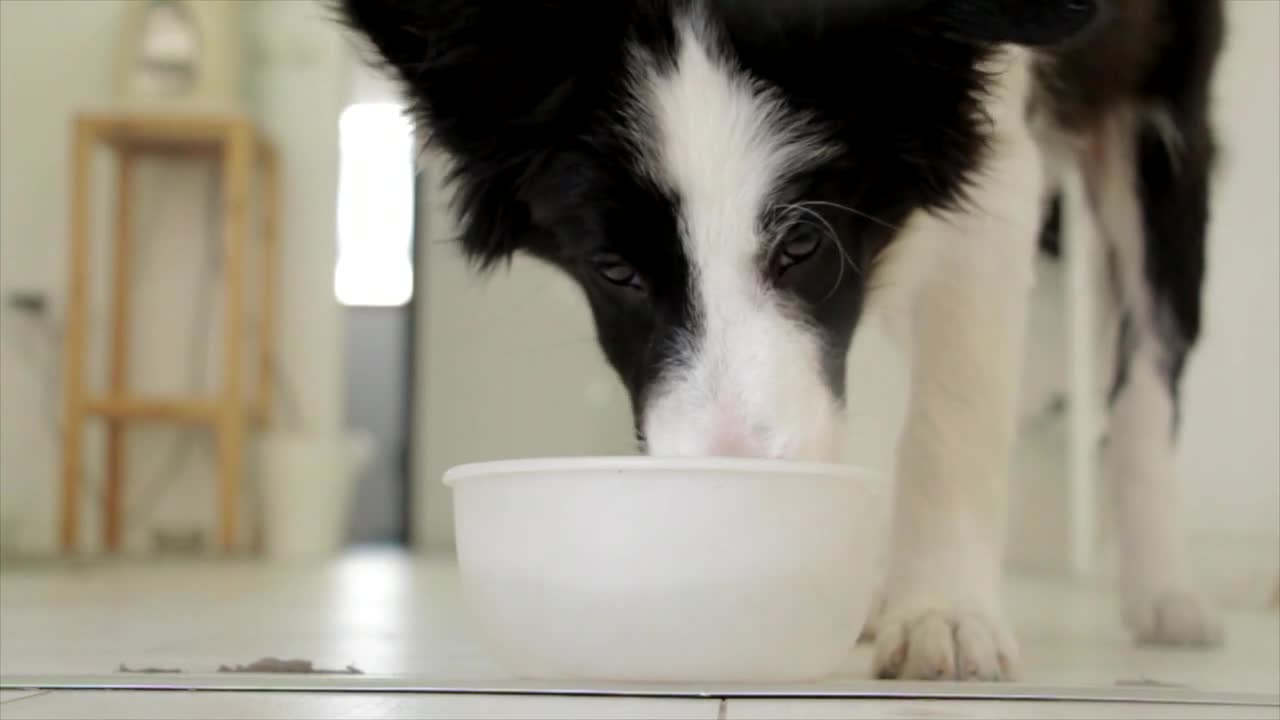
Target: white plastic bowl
(645, 569)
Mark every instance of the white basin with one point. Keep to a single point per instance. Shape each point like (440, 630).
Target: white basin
(646, 569)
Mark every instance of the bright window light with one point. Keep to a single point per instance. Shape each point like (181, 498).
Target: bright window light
(375, 206)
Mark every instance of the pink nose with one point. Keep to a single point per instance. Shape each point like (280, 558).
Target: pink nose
(730, 441)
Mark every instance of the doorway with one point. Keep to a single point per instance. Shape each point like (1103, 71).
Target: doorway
(374, 280)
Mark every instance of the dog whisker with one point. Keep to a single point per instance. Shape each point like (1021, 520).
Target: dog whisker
(854, 211)
(835, 239)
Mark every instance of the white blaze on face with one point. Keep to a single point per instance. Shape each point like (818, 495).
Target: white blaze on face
(749, 380)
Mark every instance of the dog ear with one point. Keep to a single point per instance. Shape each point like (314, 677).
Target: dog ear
(497, 85)
(1032, 23)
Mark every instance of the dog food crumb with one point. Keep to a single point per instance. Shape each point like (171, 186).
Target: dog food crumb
(276, 665)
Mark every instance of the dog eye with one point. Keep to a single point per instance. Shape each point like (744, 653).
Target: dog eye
(795, 250)
(617, 271)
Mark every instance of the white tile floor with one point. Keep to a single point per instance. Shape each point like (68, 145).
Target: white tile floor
(107, 705)
(400, 621)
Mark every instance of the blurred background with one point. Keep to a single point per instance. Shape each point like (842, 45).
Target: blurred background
(392, 362)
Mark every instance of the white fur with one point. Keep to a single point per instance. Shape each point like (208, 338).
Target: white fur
(749, 381)
(1138, 460)
(965, 277)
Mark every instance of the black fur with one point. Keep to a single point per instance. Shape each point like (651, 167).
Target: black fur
(1175, 176)
(1051, 228)
(528, 101)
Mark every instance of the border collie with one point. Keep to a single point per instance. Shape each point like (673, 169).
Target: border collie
(735, 185)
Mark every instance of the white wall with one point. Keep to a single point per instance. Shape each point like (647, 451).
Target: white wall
(1230, 454)
(56, 60)
(300, 85)
(508, 368)
(35, 115)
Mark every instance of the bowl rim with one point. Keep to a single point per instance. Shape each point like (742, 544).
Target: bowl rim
(745, 466)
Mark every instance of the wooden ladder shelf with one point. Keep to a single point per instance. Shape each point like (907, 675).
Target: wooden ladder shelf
(240, 151)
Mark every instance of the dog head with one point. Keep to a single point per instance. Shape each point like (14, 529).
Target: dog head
(720, 178)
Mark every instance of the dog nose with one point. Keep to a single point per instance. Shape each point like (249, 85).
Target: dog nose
(732, 441)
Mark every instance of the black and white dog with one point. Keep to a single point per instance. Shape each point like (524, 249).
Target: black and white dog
(735, 185)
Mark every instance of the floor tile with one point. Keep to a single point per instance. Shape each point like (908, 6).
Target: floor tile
(392, 614)
(146, 705)
(7, 696)
(995, 709)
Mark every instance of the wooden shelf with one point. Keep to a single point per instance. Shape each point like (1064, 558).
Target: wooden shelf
(232, 142)
(181, 410)
(166, 133)
(161, 409)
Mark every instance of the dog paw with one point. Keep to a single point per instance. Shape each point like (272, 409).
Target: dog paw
(1173, 619)
(943, 645)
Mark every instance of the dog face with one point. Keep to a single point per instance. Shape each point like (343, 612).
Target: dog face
(720, 181)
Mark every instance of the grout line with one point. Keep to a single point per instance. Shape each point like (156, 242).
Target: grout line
(30, 695)
(861, 690)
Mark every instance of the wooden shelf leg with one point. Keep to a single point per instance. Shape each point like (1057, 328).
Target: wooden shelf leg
(269, 242)
(74, 350)
(113, 520)
(236, 169)
(271, 255)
